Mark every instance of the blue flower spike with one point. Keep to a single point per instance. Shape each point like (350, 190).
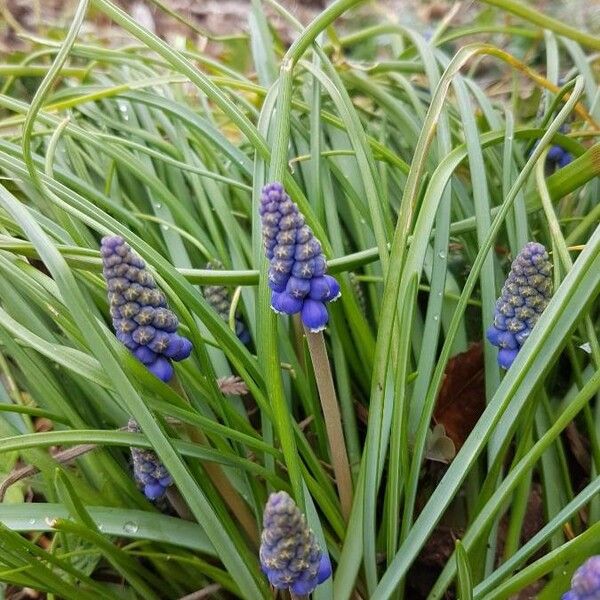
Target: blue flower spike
(289, 553)
(585, 584)
(150, 474)
(297, 271)
(525, 295)
(139, 311)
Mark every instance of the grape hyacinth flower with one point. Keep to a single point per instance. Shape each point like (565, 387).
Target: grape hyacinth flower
(218, 297)
(139, 311)
(150, 474)
(289, 553)
(525, 295)
(297, 277)
(557, 156)
(585, 584)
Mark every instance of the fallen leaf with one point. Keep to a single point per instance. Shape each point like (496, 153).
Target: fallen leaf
(577, 444)
(461, 400)
(439, 447)
(532, 523)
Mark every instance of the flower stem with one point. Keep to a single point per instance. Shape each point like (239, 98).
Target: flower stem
(217, 476)
(179, 504)
(333, 419)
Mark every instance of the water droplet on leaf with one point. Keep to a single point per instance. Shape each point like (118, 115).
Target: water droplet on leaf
(130, 527)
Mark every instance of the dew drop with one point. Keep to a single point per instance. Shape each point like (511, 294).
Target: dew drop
(130, 527)
(165, 227)
(32, 521)
(442, 255)
(439, 294)
(436, 317)
(158, 206)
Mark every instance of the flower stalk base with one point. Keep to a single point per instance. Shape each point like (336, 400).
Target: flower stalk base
(333, 419)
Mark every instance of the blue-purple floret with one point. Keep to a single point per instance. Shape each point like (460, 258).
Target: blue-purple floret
(557, 156)
(149, 473)
(585, 584)
(525, 295)
(139, 311)
(289, 553)
(297, 270)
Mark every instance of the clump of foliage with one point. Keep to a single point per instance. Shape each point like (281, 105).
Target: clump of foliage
(415, 183)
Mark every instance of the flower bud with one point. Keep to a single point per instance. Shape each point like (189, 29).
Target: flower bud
(140, 316)
(289, 553)
(525, 295)
(297, 266)
(149, 473)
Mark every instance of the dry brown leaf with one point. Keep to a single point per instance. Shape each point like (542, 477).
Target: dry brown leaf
(461, 400)
(232, 385)
(577, 444)
(439, 448)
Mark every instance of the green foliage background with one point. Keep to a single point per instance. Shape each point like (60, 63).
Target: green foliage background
(411, 171)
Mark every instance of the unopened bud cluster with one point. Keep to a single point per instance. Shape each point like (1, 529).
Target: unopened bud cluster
(140, 316)
(289, 553)
(525, 295)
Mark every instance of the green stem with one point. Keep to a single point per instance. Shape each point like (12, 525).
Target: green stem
(46, 86)
(333, 419)
(320, 23)
(584, 543)
(216, 474)
(38, 71)
(533, 16)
